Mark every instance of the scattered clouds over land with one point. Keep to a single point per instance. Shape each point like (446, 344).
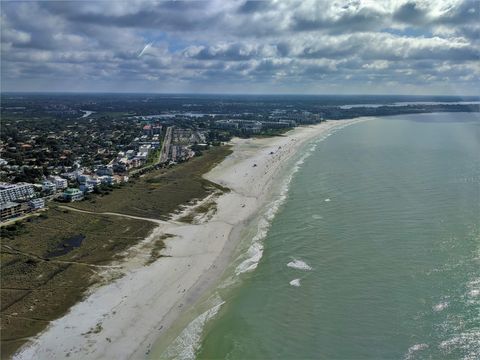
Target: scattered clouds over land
(356, 46)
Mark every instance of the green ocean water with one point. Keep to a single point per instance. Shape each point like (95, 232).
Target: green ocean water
(375, 254)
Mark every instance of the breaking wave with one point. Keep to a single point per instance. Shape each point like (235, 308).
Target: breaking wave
(295, 282)
(299, 265)
(187, 343)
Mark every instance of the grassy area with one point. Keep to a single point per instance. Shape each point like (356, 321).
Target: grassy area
(272, 132)
(209, 207)
(161, 192)
(153, 156)
(158, 246)
(47, 262)
(37, 287)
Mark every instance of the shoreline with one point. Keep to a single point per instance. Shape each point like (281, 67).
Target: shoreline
(125, 317)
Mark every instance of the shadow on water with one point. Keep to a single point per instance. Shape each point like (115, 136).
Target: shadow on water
(66, 246)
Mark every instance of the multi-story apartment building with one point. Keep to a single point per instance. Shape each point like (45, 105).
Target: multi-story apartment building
(59, 182)
(10, 209)
(12, 192)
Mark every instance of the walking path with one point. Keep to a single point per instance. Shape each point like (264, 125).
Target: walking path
(156, 221)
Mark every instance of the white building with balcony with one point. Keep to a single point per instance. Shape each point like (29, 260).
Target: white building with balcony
(12, 192)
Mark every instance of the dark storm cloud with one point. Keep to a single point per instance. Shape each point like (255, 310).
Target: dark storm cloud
(345, 44)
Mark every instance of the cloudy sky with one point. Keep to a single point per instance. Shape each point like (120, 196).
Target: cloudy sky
(307, 47)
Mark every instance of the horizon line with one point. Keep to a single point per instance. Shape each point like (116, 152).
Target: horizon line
(59, 92)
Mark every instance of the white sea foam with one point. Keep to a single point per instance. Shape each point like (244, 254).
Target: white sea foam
(187, 343)
(255, 251)
(413, 349)
(440, 306)
(474, 282)
(467, 342)
(474, 292)
(327, 200)
(474, 288)
(295, 282)
(317, 217)
(299, 265)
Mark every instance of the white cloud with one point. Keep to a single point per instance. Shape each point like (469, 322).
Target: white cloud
(278, 44)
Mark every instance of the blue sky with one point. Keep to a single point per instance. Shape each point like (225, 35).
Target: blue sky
(295, 47)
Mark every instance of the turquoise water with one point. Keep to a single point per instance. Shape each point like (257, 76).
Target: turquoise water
(381, 229)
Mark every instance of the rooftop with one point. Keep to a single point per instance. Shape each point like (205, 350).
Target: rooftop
(71, 191)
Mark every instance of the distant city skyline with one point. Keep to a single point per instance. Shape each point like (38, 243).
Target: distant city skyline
(242, 47)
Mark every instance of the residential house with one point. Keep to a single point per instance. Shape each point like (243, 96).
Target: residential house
(72, 194)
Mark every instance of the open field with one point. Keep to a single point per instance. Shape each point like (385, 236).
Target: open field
(160, 193)
(44, 272)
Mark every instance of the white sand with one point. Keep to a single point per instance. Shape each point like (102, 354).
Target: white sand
(122, 319)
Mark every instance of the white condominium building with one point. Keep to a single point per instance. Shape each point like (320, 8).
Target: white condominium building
(59, 182)
(12, 192)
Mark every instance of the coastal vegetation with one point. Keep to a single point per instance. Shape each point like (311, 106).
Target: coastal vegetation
(43, 273)
(157, 247)
(160, 193)
(202, 212)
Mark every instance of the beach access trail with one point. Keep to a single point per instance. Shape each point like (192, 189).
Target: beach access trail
(156, 221)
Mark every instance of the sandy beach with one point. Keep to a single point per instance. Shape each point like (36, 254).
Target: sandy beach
(123, 318)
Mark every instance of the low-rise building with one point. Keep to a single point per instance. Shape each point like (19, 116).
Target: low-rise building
(48, 187)
(144, 149)
(72, 194)
(142, 155)
(135, 162)
(121, 167)
(104, 170)
(72, 176)
(36, 204)
(147, 129)
(109, 180)
(82, 179)
(86, 188)
(93, 182)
